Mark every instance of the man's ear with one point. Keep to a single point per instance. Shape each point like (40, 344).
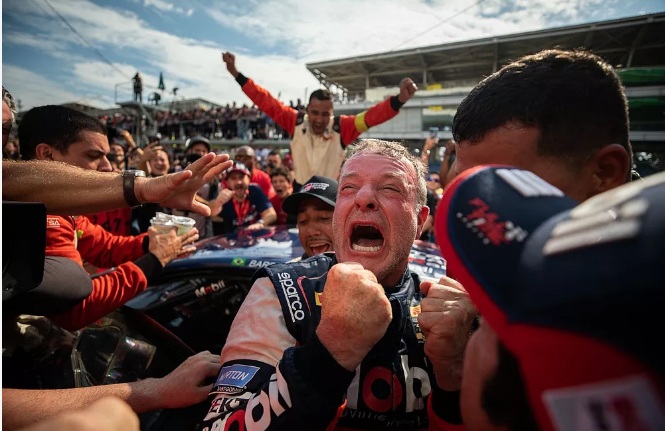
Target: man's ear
(611, 167)
(422, 218)
(44, 152)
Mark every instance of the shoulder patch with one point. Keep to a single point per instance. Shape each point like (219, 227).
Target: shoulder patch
(52, 222)
(527, 183)
(233, 379)
(624, 404)
(589, 229)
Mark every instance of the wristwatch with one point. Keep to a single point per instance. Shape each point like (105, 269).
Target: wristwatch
(128, 177)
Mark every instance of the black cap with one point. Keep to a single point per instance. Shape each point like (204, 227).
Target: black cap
(323, 188)
(197, 140)
(152, 138)
(237, 167)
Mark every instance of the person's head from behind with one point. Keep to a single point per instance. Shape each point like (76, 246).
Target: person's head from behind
(313, 205)
(160, 163)
(549, 352)
(380, 211)
(66, 135)
(280, 177)
(561, 114)
(8, 115)
(246, 155)
(320, 110)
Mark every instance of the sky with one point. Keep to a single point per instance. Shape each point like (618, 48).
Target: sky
(86, 51)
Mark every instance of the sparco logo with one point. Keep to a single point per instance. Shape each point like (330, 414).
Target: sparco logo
(291, 294)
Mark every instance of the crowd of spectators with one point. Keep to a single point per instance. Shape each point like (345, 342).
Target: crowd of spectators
(419, 336)
(229, 122)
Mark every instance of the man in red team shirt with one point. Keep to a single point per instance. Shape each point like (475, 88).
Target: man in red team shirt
(62, 134)
(319, 139)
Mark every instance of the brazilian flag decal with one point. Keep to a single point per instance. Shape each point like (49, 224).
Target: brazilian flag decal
(238, 261)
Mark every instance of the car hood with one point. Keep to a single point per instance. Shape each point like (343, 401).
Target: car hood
(263, 247)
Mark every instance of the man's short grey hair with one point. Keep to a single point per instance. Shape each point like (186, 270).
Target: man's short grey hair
(399, 152)
(9, 100)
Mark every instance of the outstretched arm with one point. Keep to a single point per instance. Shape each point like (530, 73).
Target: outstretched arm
(447, 162)
(183, 387)
(353, 125)
(67, 189)
(283, 115)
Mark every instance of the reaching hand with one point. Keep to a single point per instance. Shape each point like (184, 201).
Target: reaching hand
(150, 151)
(184, 386)
(407, 88)
(128, 138)
(430, 143)
(446, 319)
(230, 61)
(218, 203)
(168, 246)
(178, 190)
(350, 332)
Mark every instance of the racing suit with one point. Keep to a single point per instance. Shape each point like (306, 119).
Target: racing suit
(277, 375)
(318, 154)
(77, 238)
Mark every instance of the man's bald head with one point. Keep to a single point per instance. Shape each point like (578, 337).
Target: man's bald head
(245, 154)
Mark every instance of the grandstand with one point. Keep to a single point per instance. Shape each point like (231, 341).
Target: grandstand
(445, 74)
(634, 46)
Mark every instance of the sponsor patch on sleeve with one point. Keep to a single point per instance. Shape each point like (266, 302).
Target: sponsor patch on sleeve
(233, 379)
(625, 404)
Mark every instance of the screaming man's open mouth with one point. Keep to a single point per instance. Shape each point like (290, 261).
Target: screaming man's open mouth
(366, 238)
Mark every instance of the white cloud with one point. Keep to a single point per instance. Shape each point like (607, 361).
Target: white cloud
(159, 4)
(33, 89)
(297, 31)
(194, 66)
(165, 6)
(321, 30)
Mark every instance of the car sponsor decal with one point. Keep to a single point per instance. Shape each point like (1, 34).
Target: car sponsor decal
(233, 379)
(206, 290)
(259, 263)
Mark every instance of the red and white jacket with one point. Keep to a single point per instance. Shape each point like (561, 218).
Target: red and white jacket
(76, 238)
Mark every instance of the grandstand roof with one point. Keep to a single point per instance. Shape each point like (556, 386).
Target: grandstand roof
(628, 42)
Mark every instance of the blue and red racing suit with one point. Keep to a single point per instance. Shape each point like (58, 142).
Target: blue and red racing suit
(276, 374)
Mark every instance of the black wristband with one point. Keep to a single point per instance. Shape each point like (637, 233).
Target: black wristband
(395, 103)
(241, 79)
(128, 178)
